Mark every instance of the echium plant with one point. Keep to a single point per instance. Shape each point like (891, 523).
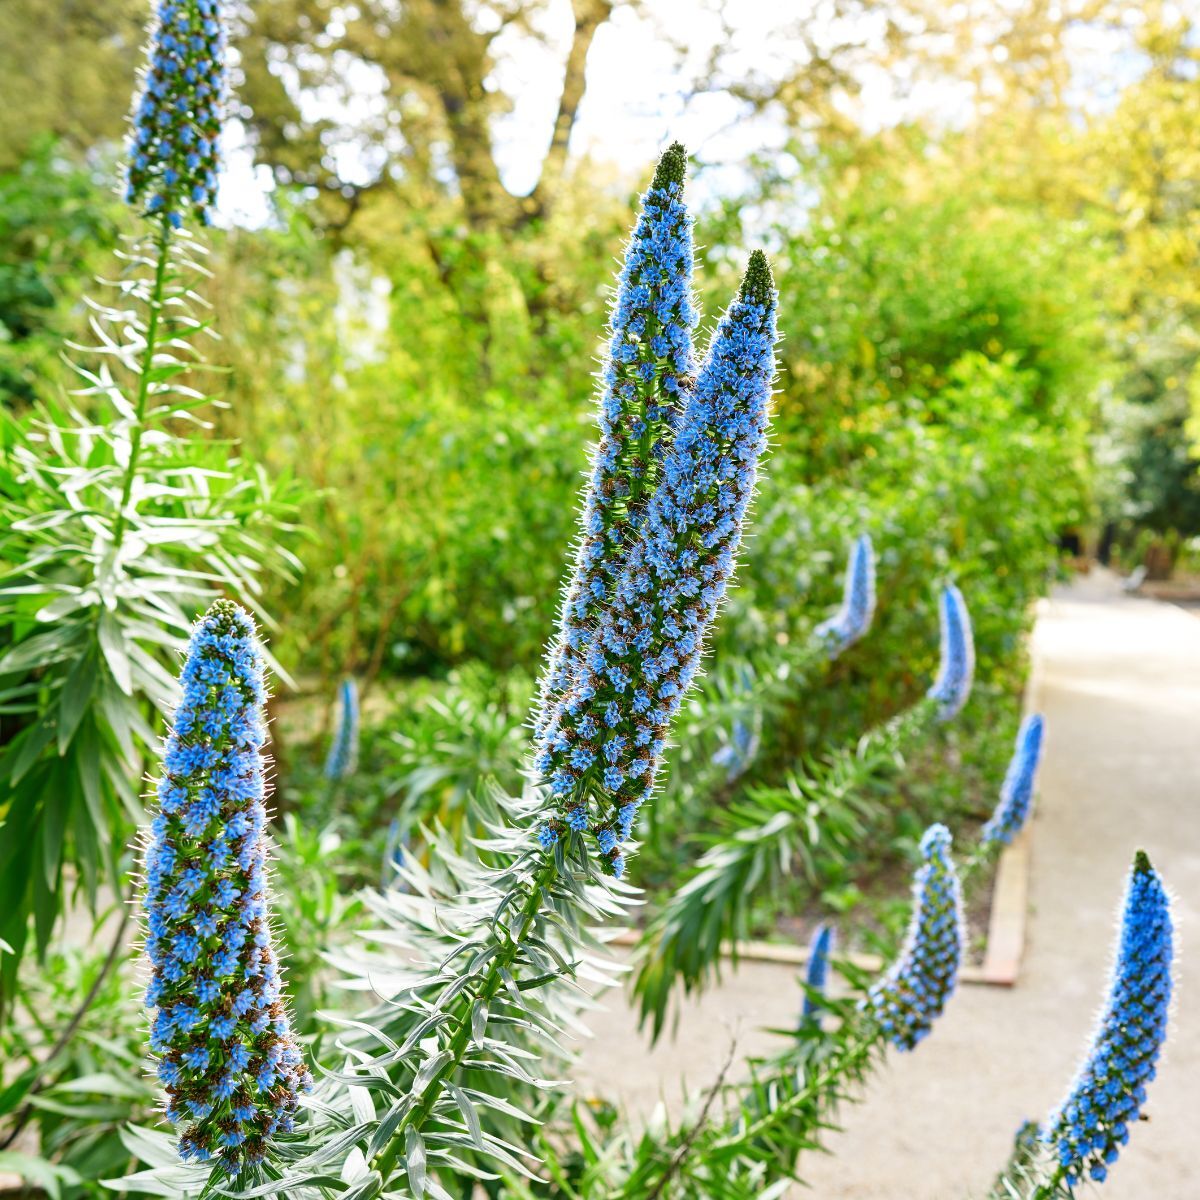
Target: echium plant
(604, 745)
(119, 526)
(343, 750)
(816, 974)
(851, 622)
(952, 686)
(226, 1054)
(1016, 793)
(1091, 1125)
(747, 1137)
(173, 157)
(1083, 1136)
(477, 961)
(648, 369)
(915, 990)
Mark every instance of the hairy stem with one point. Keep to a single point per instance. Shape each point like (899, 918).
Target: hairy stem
(822, 1089)
(416, 1116)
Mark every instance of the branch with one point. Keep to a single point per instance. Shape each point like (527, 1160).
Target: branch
(694, 1132)
(589, 16)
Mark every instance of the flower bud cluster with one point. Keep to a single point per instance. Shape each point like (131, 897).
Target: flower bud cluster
(173, 152)
(220, 1027)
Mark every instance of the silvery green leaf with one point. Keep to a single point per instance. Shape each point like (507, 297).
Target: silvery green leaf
(363, 1105)
(414, 1160)
(469, 1115)
(479, 1021)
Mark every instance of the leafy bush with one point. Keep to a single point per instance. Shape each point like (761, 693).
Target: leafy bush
(118, 523)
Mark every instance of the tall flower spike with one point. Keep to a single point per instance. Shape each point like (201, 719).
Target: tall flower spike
(644, 651)
(644, 380)
(226, 1054)
(817, 975)
(1016, 793)
(1108, 1092)
(173, 154)
(853, 619)
(952, 688)
(913, 993)
(343, 751)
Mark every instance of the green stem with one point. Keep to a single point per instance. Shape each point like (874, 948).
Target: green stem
(162, 244)
(64, 1038)
(1048, 1191)
(419, 1113)
(856, 1050)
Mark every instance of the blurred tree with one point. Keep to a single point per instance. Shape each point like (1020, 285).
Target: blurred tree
(429, 134)
(66, 66)
(1126, 171)
(404, 97)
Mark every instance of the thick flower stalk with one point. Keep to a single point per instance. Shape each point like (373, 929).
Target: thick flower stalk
(1016, 793)
(177, 121)
(644, 380)
(1105, 1101)
(644, 650)
(343, 751)
(220, 1031)
(914, 991)
(853, 619)
(952, 687)
(817, 974)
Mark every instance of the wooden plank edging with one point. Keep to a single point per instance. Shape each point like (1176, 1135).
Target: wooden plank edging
(1010, 898)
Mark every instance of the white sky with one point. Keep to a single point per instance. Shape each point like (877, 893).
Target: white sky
(638, 99)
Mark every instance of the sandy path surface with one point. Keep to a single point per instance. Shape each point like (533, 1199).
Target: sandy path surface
(1119, 682)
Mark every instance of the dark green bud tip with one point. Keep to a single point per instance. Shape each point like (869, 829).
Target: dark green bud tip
(757, 283)
(1141, 863)
(672, 167)
(225, 614)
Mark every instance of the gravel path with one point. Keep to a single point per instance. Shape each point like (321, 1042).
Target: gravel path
(1119, 682)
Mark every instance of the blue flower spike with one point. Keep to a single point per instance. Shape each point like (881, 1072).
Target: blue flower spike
(852, 621)
(644, 381)
(173, 150)
(220, 1029)
(644, 650)
(1106, 1097)
(952, 687)
(343, 751)
(1016, 793)
(915, 989)
(817, 974)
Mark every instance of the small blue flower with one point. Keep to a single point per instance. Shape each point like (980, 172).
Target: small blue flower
(952, 688)
(1016, 793)
(343, 751)
(915, 989)
(817, 974)
(853, 619)
(1109, 1090)
(213, 968)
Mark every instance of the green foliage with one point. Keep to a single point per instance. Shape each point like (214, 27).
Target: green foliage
(118, 528)
(76, 1099)
(310, 867)
(814, 819)
(56, 224)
